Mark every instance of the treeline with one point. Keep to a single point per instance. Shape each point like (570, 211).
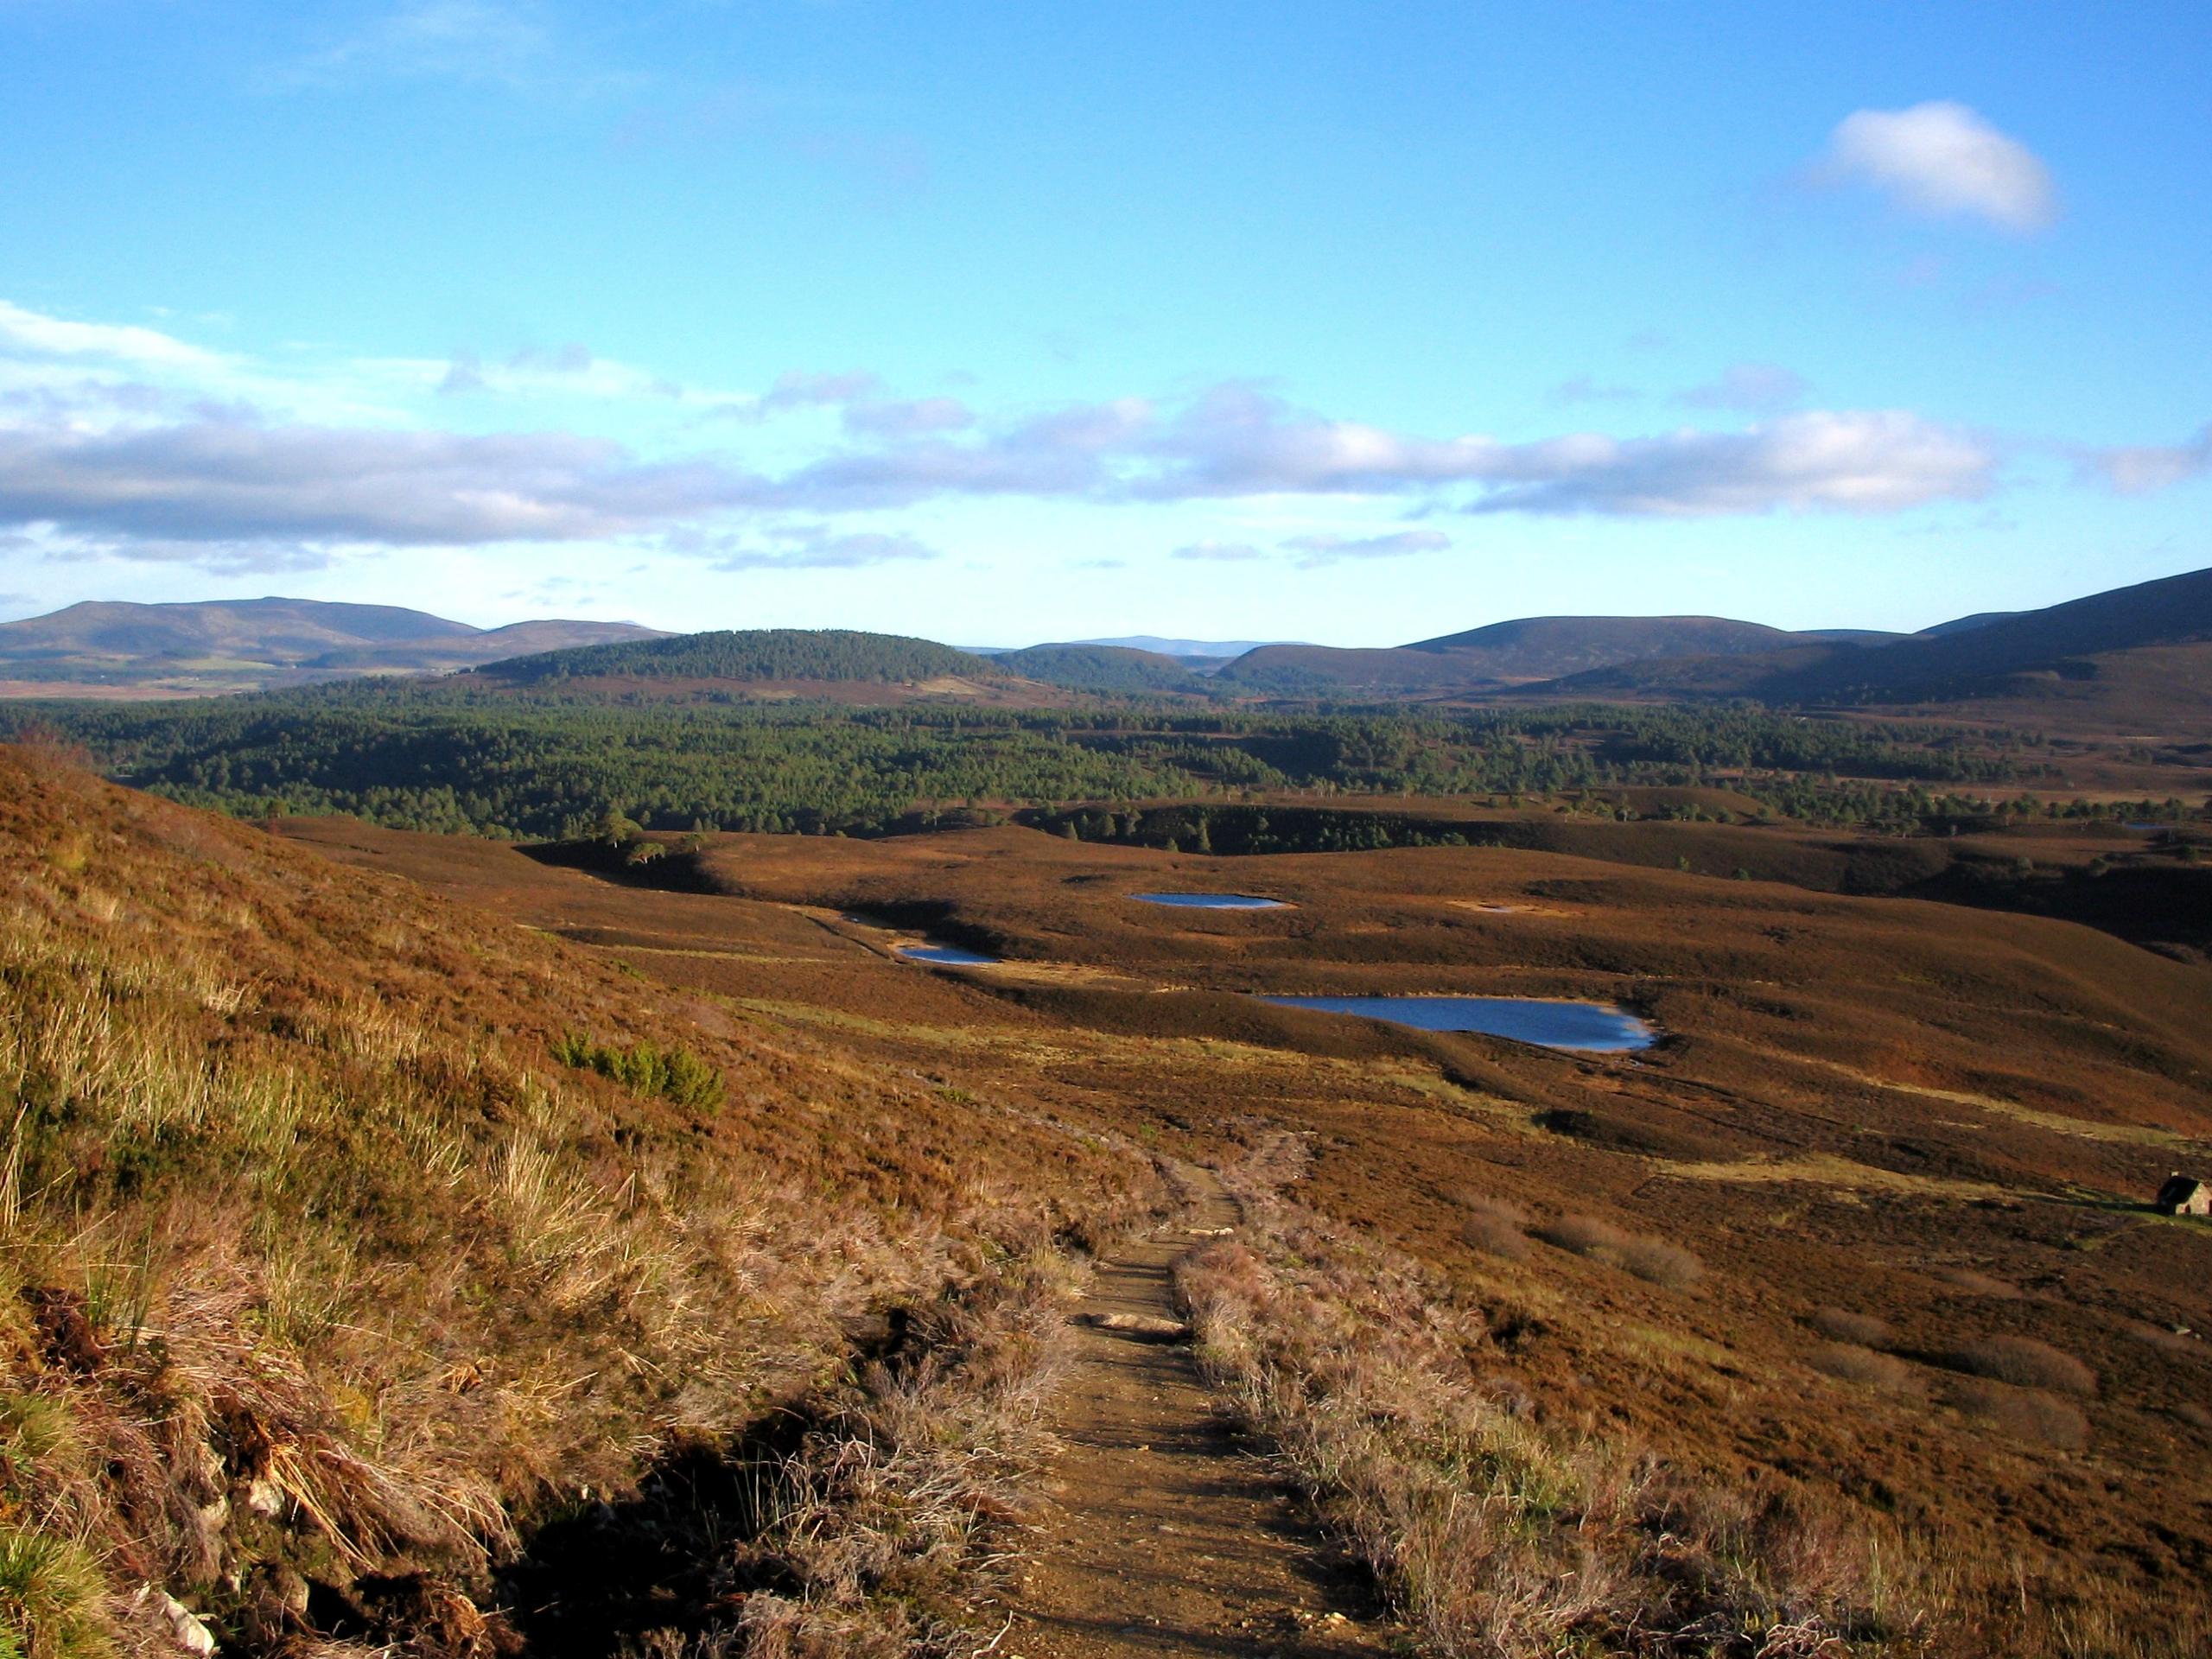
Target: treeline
(747, 654)
(1113, 670)
(451, 755)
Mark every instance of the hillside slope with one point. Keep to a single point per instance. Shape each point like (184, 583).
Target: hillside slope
(1111, 669)
(2145, 651)
(1528, 650)
(1986, 658)
(236, 645)
(357, 1238)
(825, 655)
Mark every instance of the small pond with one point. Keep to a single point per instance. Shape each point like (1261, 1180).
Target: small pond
(1211, 901)
(945, 955)
(1595, 1026)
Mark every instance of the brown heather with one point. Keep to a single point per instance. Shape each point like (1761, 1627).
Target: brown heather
(321, 1271)
(1495, 1534)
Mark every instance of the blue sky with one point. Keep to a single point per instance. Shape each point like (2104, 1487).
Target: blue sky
(999, 324)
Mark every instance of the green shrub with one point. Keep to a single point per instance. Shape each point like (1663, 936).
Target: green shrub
(674, 1074)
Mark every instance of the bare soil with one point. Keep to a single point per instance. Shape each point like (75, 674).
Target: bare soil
(1168, 1534)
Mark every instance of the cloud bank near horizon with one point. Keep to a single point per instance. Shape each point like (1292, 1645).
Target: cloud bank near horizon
(141, 445)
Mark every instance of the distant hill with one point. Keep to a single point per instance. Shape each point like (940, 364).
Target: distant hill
(753, 654)
(1545, 647)
(2152, 641)
(446, 653)
(1960, 625)
(1330, 670)
(238, 644)
(1111, 669)
(1990, 658)
(1506, 654)
(1209, 650)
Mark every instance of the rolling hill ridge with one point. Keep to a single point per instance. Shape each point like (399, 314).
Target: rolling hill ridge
(242, 645)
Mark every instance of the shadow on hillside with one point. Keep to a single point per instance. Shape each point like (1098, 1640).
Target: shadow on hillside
(672, 1556)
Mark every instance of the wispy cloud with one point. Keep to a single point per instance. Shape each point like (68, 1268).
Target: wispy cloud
(1318, 549)
(906, 417)
(472, 42)
(1943, 160)
(806, 547)
(1757, 388)
(55, 337)
(1224, 552)
(1588, 388)
(2140, 469)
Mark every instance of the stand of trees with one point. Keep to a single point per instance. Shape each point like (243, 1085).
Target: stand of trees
(550, 762)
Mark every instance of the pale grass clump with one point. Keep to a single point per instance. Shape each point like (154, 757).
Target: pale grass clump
(2023, 1361)
(1848, 1363)
(1494, 1226)
(1493, 1536)
(2027, 1414)
(1652, 1260)
(1862, 1330)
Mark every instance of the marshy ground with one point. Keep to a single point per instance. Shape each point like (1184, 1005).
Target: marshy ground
(1869, 1223)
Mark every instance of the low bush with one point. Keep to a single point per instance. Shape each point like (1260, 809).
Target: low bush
(1649, 1259)
(1651, 1136)
(673, 1074)
(2028, 1414)
(1494, 1226)
(1979, 1284)
(1848, 1363)
(1861, 1330)
(2024, 1363)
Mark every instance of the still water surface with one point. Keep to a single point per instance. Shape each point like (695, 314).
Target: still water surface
(1211, 901)
(1594, 1026)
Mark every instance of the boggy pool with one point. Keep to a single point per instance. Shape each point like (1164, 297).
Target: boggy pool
(1211, 901)
(1593, 1027)
(945, 955)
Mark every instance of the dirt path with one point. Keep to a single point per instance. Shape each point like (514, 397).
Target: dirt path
(1167, 1536)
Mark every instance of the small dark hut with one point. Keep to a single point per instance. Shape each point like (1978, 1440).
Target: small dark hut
(2185, 1195)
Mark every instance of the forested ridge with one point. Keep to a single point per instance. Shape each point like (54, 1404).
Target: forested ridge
(457, 755)
(830, 654)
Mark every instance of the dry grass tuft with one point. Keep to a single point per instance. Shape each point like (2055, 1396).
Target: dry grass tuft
(2023, 1362)
(1494, 1226)
(1649, 1259)
(2027, 1414)
(1861, 1330)
(1494, 1535)
(1974, 1283)
(1849, 1364)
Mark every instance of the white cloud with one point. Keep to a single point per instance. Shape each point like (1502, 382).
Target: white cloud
(1942, 159)
(2140, 469)
(232, 480)
(1760, 387)
(45, 336)
(1858, 461)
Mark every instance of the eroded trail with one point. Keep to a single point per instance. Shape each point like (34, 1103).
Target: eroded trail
(1167, 1536)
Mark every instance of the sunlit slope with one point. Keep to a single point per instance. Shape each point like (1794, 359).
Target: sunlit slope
(351, 1232)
